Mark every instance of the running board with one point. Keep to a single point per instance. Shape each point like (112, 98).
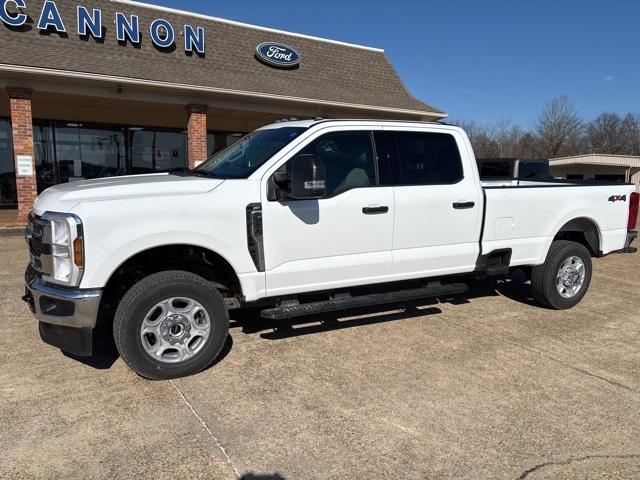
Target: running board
(346, 301)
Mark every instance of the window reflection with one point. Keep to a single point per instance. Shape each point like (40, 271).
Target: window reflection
(8, 197)
(154, 151)
(217, 141)
(86, 151)
(46, 173)
(69, 151)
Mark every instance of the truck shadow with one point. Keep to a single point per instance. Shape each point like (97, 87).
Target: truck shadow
(250, 322)
(105, 352)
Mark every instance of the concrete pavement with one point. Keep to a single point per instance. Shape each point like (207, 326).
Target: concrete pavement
(492, 387)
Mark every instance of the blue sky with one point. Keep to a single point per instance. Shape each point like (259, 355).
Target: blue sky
(482, 60)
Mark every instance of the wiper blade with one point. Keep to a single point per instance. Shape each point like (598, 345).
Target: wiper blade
(202, 173)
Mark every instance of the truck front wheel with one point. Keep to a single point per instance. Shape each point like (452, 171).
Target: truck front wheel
(170, 324)
(564, 278)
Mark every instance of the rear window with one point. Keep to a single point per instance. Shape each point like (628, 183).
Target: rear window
(495, 170)
(527, 169)
(422, 158)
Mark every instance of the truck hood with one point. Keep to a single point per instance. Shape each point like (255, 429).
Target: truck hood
(64, 196)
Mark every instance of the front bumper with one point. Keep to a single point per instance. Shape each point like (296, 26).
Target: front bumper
(67, 316)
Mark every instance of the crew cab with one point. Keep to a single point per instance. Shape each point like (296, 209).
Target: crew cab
(298, 218)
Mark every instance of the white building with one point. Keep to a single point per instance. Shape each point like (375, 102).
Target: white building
(624, 168)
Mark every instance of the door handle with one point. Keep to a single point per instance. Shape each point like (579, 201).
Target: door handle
(462, 205)
(374, 210)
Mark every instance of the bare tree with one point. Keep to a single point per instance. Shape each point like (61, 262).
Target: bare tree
(558, 132)
(559, 128)
(529, 146)
(630, 131)
(498, 140)
(604, 134)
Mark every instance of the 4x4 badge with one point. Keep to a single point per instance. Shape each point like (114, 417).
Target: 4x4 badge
(618, 198)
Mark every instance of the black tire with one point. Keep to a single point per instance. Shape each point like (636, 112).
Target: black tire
(142, 297)
(544, 277)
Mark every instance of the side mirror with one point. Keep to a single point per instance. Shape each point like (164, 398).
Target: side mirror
(305, 179)
(308, 177)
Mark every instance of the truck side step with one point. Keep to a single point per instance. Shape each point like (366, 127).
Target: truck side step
(346, 301)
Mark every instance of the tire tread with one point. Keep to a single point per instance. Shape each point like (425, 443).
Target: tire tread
(156, 280)
(543, 276)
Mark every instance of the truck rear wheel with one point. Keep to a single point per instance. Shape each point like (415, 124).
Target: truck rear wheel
(170, 324)
(564, 278)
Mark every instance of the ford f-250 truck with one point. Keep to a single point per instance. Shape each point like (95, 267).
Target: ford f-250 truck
(299, 218)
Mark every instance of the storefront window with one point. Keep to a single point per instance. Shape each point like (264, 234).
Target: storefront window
(67, 151)
(89, 151)
(46, 172)
(70, 151)
(154, 150)
(8, 197)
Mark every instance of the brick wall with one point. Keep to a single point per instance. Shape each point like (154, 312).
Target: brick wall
(197, 134)
(22, 128)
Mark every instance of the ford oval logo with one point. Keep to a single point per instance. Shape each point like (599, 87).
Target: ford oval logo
(277, 55)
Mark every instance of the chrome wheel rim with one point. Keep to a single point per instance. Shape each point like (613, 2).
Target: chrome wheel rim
(570, 278)
(175, 329)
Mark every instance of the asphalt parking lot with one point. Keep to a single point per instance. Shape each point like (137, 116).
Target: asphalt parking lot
(492, 387)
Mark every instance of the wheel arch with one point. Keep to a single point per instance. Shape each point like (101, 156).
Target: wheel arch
(202, 261)
(583, 230)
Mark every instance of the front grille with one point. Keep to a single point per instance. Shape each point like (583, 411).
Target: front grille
(38, 240)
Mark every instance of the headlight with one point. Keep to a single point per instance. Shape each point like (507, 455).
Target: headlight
(67, 248)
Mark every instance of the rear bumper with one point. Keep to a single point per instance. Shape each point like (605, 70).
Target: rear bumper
(631, 236)
(67, 316)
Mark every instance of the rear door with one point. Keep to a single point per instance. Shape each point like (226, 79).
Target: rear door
(340, 240)
(438, 201)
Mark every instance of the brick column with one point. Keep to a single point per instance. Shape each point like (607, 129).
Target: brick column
(197, 133)
(22, 130)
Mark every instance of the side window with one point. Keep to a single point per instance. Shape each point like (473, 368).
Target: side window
(425, 158)
(348, 160)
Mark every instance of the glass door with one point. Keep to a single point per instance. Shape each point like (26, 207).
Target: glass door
(8, 195)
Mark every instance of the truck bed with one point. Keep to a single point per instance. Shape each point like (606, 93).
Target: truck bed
(524, 215)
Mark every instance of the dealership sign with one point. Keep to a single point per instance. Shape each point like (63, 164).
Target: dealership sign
(277, 55)
(89, 23)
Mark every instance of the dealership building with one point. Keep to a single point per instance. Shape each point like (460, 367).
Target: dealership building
(99, 88)
(616, 168)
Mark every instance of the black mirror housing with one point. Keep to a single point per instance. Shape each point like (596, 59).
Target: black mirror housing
(308, 177)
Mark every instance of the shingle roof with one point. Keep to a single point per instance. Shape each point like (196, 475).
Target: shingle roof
(329, 71)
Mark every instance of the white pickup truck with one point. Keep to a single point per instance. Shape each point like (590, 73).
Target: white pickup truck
(299, 218)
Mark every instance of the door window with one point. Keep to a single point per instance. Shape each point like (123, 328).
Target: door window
(423, 158)
(348, 159)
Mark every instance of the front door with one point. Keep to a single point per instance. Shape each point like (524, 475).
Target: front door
(340, 240)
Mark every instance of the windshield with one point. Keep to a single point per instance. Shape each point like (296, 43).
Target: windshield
(245, 156)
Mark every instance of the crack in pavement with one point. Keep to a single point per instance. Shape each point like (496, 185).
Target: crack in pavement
(569, 461)
(549, 357)
(208, 430)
